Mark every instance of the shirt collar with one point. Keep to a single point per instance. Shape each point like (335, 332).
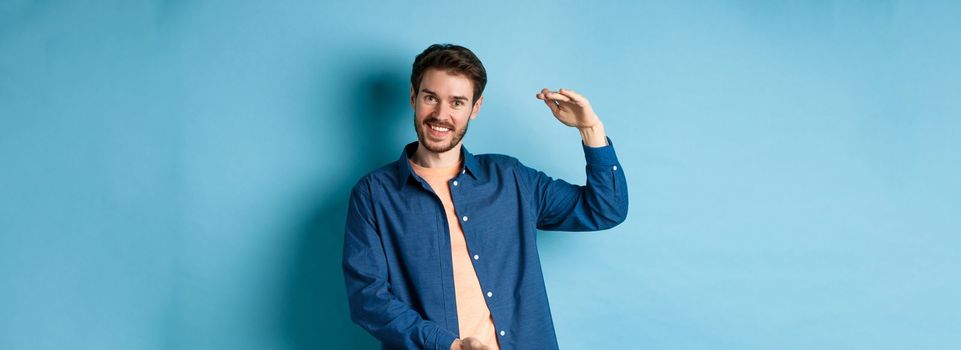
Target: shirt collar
(406, 174)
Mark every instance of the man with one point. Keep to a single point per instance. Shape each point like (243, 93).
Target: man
(440, 249)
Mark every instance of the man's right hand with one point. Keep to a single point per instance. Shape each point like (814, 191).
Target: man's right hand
(468, 344)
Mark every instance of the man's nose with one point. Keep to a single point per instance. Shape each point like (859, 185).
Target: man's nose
(443, 111)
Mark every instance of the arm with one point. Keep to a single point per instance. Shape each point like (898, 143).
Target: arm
(372, 306)
(599, 205)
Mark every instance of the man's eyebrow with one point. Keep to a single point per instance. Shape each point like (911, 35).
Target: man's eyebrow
(452, 97)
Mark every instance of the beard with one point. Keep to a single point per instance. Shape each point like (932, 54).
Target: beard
(439, 148)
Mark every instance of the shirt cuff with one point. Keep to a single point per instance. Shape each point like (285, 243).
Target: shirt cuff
(604, 156)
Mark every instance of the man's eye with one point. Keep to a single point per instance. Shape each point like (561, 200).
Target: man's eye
(430, 99)
(458, 103)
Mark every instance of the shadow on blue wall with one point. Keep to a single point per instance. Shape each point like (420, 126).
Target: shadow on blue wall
(314, 311)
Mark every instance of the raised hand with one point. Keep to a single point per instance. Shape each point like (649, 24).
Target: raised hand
(574, 110)
(570, 108)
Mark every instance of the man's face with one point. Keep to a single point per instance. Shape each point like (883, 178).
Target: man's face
(443, 107)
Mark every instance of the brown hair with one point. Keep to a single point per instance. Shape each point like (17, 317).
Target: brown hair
(452, 58)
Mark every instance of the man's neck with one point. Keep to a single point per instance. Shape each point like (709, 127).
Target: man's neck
(428, 159)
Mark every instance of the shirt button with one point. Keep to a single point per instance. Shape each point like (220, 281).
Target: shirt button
(463, 171)
(615, 168)
(464, 218)
(455, 183)
(476, 256)
(502, 333)
(490, 294)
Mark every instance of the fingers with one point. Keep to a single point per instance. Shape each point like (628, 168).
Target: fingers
(573, 95)
(541, 95)
(552, 105)
(547, 101)
(473, 343)
(546, 94)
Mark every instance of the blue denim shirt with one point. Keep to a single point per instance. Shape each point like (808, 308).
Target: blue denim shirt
(397, 257)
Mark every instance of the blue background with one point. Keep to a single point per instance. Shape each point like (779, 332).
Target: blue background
(173, 174)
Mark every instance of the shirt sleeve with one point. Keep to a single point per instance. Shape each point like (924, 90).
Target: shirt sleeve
(372, 306)
(599, 205)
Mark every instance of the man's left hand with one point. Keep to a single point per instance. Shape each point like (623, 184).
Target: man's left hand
(574, 110)
(570, 108)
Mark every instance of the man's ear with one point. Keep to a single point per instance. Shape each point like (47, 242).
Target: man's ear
(413, 96)
(477, 106)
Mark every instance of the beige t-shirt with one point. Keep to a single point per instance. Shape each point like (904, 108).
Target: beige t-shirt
(473, 316)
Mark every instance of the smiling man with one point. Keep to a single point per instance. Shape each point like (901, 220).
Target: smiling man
(440, 249)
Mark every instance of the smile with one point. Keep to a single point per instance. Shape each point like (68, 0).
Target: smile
(438, 130)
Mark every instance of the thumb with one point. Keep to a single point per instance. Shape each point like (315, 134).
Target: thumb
(474, 343)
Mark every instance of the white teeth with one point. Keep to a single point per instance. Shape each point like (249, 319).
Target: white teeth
(439, 128)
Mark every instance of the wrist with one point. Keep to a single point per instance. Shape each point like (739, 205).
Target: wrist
(594, 135)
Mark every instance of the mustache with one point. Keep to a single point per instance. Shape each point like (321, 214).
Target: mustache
(438, 122)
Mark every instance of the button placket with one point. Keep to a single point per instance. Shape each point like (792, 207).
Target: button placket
(465, 218)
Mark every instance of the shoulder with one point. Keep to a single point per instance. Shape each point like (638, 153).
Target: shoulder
(495, 163)
(385, 175)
